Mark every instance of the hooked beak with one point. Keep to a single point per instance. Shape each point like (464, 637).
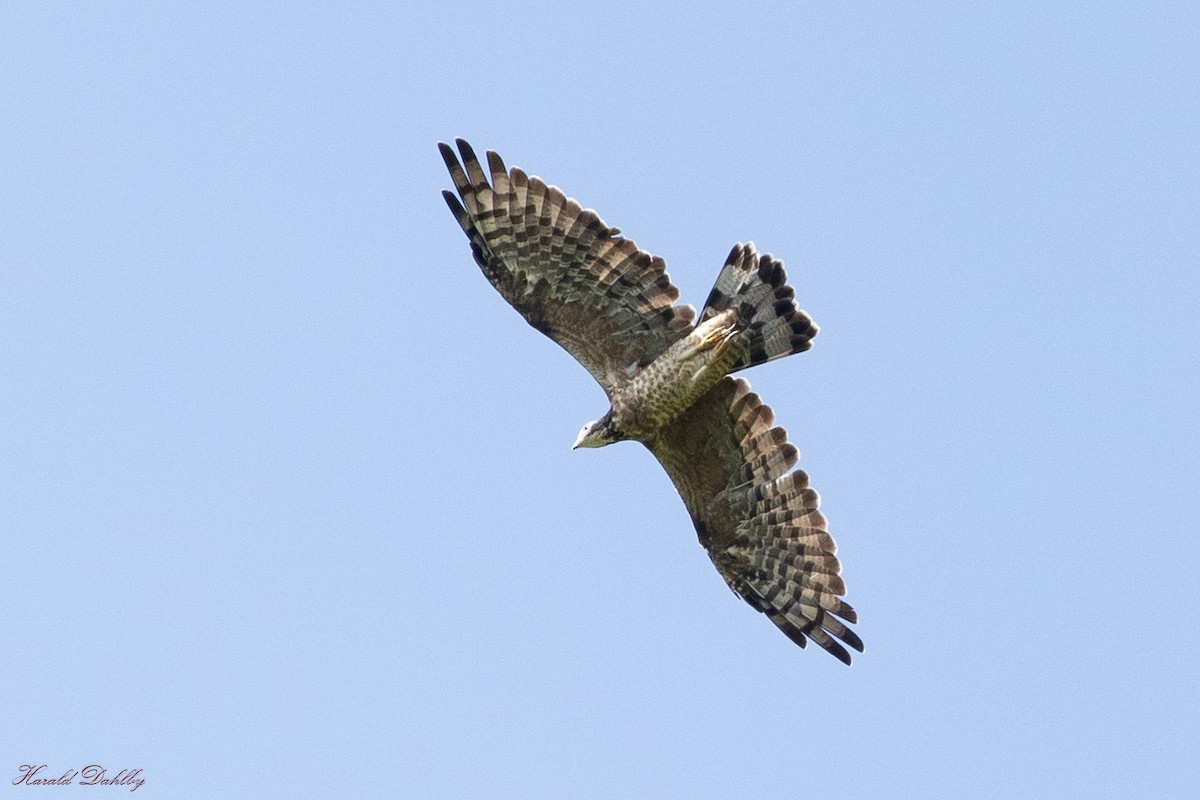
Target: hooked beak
(596, 433)
(584, 433)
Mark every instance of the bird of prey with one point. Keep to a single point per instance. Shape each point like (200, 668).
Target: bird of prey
(667, 377)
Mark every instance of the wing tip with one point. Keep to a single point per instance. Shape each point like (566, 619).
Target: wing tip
(854, 640)
(449, 156)
(495, 163)
(837, 651)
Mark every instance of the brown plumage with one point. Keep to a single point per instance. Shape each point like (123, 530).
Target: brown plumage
(612, 306)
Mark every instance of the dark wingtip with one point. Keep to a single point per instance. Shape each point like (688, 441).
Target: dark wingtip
(851, 638)
(448, 155)
(495, 163)
(838, 652)
(468, 153)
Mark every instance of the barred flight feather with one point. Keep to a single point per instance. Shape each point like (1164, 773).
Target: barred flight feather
(757, 286)
(605, 301)
(613, 307)
(772, 549)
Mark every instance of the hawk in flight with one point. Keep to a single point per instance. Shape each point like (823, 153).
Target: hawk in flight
(667, 377)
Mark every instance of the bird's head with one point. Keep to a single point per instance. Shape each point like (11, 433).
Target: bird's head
(597, 433)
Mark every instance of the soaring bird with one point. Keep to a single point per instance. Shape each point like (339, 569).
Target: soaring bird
(667, 374)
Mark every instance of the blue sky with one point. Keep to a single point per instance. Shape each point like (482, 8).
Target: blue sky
(287, 491)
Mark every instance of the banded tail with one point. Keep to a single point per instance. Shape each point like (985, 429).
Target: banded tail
(757, 287)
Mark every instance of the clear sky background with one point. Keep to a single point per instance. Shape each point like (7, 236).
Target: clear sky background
(286, 489)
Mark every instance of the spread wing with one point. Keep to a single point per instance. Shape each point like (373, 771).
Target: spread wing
(758, 522)
(571, 276)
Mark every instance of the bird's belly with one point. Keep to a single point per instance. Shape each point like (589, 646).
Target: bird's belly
(669, 385)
